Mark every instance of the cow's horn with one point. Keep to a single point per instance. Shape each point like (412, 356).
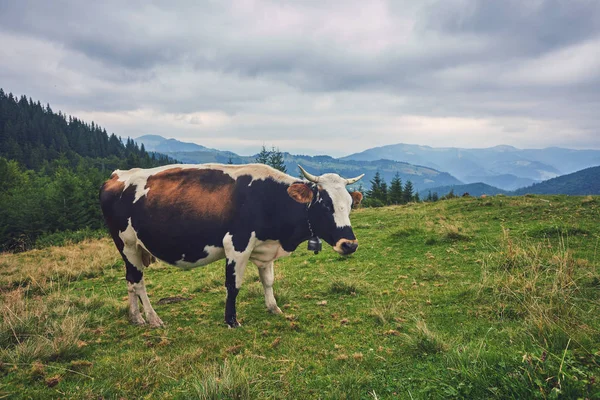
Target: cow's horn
(308, 176)
(353, 180)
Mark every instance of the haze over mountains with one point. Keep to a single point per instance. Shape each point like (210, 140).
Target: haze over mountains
(505, 167)
(494, 170)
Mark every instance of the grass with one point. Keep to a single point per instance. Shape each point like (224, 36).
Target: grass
(465, 298)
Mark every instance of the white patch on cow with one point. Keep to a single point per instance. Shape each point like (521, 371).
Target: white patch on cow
(266, 252)
(132, 245)
(214, 253)
(335, 186)
(240, 257)
(139, 177)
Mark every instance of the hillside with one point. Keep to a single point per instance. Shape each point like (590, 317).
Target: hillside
(421, 177)
(582, 182)
(464, 298)
(502, 166)
(51, 166)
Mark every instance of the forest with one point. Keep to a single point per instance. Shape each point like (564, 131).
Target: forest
(51, 168)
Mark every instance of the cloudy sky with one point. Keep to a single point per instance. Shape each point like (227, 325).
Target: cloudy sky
(315, 77)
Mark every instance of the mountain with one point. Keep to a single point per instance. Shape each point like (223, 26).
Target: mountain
(505, 166)
(421, 177)
(163, 145)
(582, 182)
(474, 189)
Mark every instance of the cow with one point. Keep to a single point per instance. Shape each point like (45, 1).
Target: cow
(193, 215)
(356, 198)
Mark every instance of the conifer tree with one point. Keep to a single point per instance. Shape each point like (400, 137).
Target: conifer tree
(263, 156)
(385, 199)
(396, 192)
(376, 195)
(408, 192)
(276, 160)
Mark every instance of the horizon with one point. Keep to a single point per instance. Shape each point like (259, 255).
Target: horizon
(391, 144)
(315, 77)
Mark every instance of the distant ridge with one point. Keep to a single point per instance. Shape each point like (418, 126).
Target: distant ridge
(163, 145)
(582, 182)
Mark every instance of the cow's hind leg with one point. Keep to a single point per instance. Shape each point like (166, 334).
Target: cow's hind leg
(267, 276)
(136, 288)
(134, 277)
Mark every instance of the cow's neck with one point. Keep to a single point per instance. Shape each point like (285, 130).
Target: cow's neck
(298, 218)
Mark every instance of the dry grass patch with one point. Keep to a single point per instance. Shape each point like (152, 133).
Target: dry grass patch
(230, 380)
(422, 341)
(43, 268)
(387, 310)
(453, 232)
(39, 329)
(545, 284)
(344, 286)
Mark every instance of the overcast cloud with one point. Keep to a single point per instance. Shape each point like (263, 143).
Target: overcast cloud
(315, 77)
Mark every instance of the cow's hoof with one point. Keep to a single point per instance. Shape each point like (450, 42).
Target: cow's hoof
(276, 310)
(137, 320)
(233, 324)
(155, 322)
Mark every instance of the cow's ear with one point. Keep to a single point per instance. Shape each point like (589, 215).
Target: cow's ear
(356, 198)
(300, 192)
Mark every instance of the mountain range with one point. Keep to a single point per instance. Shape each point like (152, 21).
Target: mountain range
(494, 170)
(421, 177)
(505, 167)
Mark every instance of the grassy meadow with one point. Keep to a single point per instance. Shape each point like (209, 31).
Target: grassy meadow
(465, 298)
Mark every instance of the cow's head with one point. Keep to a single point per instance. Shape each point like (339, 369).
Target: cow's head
(329, 205)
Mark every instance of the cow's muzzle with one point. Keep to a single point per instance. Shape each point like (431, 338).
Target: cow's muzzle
(346, 246)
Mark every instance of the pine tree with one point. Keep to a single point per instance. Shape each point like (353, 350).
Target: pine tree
(263, 157)
(385, 199)
(376, 195)
(276, 160)
(230, 161)
(434, 196)
(408, 192)
(429, 197)
(396, 192)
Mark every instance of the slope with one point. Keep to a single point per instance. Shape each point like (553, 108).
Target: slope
(584, 182)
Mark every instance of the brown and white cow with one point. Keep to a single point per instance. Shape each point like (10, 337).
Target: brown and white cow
(192, 215)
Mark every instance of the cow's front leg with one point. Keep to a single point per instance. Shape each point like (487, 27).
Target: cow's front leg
(267, 276)
(237, 252)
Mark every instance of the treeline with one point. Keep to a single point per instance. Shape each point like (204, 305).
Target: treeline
(272, 157)
(51, 168)
(381, 194)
